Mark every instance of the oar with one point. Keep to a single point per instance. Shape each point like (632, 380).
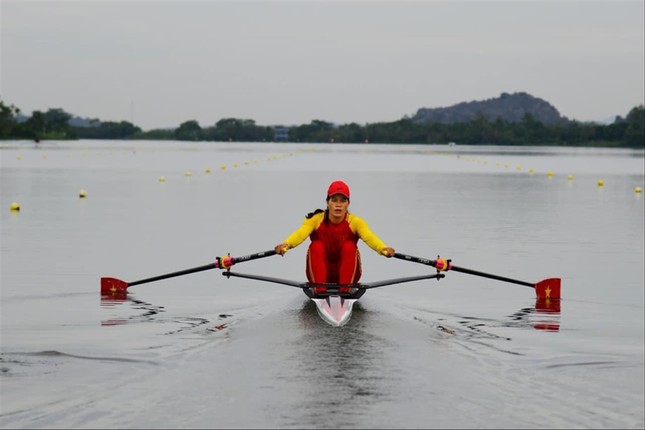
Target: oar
(115, 286)
(545, 289)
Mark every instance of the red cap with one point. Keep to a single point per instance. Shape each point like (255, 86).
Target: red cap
(338, 187)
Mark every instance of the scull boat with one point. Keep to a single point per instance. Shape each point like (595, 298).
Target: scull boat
(335, 307)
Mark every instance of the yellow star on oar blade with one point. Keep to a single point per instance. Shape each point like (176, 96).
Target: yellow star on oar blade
(547, 291)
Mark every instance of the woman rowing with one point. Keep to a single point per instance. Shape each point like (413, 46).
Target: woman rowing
(333, 255)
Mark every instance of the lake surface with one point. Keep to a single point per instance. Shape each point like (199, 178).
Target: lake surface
(204, 351)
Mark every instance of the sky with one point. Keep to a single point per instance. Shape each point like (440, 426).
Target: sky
(158, 64)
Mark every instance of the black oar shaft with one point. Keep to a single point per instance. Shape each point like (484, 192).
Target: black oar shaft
(173, 274)
(488, 275)
(461, 269)
(215, 265)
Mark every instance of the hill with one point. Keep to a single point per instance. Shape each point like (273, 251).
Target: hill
(508, 107)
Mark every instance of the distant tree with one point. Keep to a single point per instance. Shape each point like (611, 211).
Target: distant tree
(189, 130)
(108, 130)
(315, 131)
(635, 130)
(155, 134)
(8, 123)
(57, 120)
(238, 130)
(350, 133)
(36, 125)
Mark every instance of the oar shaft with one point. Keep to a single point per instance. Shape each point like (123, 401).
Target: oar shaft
(433, 263)
(488, 275)
(215, 265)
(173, 274)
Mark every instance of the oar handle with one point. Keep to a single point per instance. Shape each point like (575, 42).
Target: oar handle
(414, 259)
(253, 256)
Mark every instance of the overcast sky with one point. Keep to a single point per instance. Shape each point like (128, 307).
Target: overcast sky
(160, 63)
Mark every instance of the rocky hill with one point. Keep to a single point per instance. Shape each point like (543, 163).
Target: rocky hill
(508, 107)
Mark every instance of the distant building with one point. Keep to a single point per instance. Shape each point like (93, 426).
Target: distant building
(281, 132)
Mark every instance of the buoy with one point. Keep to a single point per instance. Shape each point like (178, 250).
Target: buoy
(188, 173)
(601, 182)
(14, 207)
(549, 173)
(638, 190)
(570, 177)
(518, 168)
(162, 179)
(223, 167)
(531, 171)
(19, 157)
(207, 170)
(82, 194)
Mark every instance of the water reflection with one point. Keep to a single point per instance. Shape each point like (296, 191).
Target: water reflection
(545, 315)
(339, 369)
(145, 311)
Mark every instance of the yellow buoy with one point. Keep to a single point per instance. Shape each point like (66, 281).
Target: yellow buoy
(223, 167)
(15, 207)
(19, 157)
(188, 173)
(207, 170)
(82, 194)
(638, 190)
(549, 173)
(570, 177)
(601, 182)
(518, 168)
(162, 179)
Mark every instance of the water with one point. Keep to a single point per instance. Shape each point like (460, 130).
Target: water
(203, 351)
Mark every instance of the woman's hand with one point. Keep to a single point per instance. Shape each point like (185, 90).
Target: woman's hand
(388, 252)
(281, 249)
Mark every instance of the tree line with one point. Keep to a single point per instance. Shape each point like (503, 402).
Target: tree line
(54, 124)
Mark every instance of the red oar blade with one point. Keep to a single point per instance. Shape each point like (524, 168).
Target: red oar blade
(548, 288)
(113, 286)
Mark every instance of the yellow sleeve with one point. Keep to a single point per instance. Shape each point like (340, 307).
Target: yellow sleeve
(303, 232)
(360, 227)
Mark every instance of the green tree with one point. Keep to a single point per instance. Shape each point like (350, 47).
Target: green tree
(189, 130)
(36, 125)
(8, 123)
(57, 121)
(635, 130)
(315, 131)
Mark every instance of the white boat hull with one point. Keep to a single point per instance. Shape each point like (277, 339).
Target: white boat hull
(335, 310)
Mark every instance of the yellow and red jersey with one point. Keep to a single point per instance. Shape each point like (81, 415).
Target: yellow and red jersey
(357, 227)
